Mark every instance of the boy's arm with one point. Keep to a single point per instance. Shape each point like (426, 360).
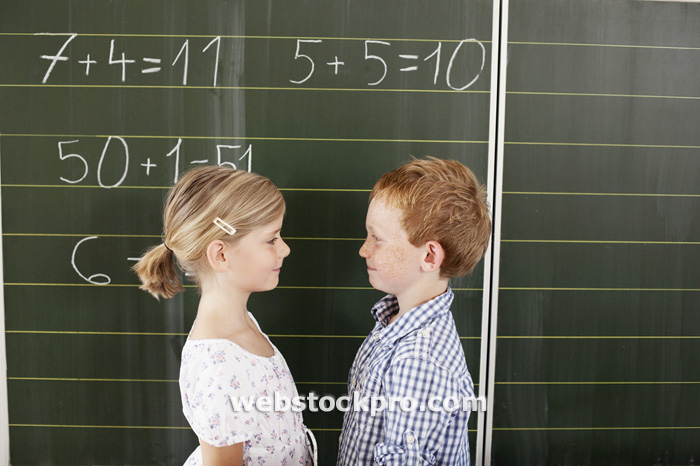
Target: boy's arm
(413, 436)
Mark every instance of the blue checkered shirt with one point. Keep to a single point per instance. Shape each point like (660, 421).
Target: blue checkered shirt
(419, 356)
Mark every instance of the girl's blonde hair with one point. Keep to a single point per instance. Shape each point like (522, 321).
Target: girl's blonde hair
(245, 201)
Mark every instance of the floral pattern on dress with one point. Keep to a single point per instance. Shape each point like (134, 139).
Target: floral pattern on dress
(215, 371)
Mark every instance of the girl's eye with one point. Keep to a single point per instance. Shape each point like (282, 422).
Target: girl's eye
(273, 240)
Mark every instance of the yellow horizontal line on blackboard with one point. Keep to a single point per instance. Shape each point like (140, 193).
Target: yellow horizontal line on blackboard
(338, 190)
(363, 190)
(280, 335)
(79, 186)
(252, 138)
(320, 429)
(87, 379)
(596, 241)
(77, 332)
(594, 337)
(576, 44)
(550, 429)
(70, 426)
(211, 36)
(355, 288)
(339, 288)
(81, 379)
(669, 382)
(239, 88)
(588, 94)
(320, 383)
(79, 284)
(303, 238)
(527, 288)
(298, 238)
(549, 193)
(80, 235)
(589, 144)
(341, 190)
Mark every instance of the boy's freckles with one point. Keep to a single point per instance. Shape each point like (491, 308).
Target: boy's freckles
(392, 261)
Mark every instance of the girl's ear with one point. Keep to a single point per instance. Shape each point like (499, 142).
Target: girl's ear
(216, 256)
(434, 256)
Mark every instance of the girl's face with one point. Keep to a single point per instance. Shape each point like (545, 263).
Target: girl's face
(257, 258)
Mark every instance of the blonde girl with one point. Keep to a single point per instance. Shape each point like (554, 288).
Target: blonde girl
(222, 226)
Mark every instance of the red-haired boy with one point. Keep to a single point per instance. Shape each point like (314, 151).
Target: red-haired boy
(427, 222)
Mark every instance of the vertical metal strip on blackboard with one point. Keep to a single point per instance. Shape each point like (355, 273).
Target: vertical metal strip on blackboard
(4, 418)
(500, 53)
(489, 259)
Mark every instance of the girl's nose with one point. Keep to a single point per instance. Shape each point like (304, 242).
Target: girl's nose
(285, 248)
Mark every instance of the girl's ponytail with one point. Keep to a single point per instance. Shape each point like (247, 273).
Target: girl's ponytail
(157, 272)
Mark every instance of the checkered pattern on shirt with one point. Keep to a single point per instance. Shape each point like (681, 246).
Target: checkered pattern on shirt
(419, 355)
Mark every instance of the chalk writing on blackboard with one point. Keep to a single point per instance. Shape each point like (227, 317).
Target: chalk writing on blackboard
(103, 279)
(381, 59)
(224, 154)
(383, 68)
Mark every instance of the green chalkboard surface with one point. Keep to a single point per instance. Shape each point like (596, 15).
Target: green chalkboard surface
(105, 103)
(599, 301)
(585, 333)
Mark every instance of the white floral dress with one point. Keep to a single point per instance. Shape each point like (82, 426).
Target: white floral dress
(216, 370)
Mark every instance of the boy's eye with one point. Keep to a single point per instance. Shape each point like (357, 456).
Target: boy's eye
(273, 240)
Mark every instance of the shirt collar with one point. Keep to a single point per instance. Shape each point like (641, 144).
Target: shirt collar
(412, 320)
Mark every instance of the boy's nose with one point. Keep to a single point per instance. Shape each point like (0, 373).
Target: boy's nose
(364, 250)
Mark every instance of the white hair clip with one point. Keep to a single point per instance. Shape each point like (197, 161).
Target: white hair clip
(224, 226)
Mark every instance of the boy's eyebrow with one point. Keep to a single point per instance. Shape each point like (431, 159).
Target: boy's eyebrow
(371, 226)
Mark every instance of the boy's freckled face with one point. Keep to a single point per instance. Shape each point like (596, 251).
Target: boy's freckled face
(393, 263)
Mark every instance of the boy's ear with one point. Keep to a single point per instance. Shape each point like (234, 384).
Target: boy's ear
(216, 256)
(434, 256)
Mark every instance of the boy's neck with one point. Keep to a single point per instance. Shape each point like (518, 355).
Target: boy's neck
(417, 295)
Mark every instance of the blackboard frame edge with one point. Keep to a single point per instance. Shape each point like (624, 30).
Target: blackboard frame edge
(496, 155)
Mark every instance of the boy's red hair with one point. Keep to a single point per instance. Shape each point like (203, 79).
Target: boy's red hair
(440, 200)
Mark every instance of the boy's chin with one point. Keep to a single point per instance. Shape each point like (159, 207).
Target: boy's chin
(378, 285)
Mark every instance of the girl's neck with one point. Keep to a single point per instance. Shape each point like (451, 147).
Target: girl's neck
(222, 311)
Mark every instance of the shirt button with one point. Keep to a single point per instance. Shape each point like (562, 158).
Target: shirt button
(426, 332)
(411, 439)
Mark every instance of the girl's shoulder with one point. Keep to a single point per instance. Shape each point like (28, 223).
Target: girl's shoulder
(212, 350)
(205, 343)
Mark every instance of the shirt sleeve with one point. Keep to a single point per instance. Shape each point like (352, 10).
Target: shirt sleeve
(212, 382)
(413, 434)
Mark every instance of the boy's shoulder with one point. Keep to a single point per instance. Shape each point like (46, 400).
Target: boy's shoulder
(436, 342)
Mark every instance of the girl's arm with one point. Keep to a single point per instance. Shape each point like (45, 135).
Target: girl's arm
(231, 455)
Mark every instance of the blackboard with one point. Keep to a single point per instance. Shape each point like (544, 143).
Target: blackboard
(105, 103)
(588, 347)
(598, 328)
